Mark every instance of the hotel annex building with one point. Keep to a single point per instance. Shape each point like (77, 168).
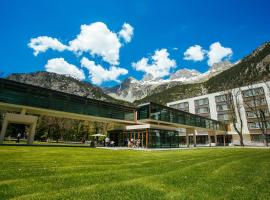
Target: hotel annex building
(215, 107)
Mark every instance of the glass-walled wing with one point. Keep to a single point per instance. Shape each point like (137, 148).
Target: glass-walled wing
(163, 113)
(28, 95)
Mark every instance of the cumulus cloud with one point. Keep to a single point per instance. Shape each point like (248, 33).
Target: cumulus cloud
(43, 43)
(60, 66)
(195, 53)
(97, 39)
(217, 53)
(126, 33)
(98, 74)
(159, 65)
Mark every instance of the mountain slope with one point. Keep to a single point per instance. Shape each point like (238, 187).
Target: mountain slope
(253, 68)
(65, 84)
(131, 89)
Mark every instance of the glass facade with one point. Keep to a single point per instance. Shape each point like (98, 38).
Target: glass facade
(151, 138)
(162, 113)
(28, 95)
(163, 139)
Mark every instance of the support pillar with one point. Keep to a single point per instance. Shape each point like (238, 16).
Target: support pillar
(187, 139)
(3, 131)
(194, 139)
(31, 134)
(147, 134)
(193, 132)
(23, 111)
(215, 135)
(209, 140)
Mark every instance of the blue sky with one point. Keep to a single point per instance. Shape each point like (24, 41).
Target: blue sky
(172, 26)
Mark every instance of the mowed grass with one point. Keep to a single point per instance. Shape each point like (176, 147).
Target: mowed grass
(85, 173)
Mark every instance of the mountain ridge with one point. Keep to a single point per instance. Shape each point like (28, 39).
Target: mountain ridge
(64, 83)
(184, 83)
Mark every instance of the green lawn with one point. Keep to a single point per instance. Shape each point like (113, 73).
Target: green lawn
(85, 173)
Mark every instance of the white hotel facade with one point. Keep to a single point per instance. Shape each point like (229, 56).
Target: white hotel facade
(213, 106)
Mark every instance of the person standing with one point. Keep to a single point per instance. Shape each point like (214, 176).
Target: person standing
(107, 141)
(18, 138)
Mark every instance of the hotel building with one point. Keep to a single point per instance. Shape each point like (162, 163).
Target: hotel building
(218, 106)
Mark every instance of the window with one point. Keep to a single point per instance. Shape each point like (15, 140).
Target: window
(201, 102)
(202, 110)
(222, 98)
(256, 125)
(223, 107)
(223, 117)
(257, 102)
(252, 114)
(181, 106)
(253, 92)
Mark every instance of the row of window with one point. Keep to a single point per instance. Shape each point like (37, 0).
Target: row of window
(43, 98)
(202, 110)
(220, 98)
(224, 117)
(223, 98)
(181, 106)
(256, 125)
(161, 113)
(201, 102)
(223, 107)
(256, 102)
(254, 114)
(253, 92)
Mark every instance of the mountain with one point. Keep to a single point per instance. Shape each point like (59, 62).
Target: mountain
(182, 84)
(251, 69)
(184, 74)
(64, 84)
(131, 89)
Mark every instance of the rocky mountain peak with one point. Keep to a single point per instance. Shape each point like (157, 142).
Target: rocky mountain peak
(184, 74)
(129, 80)
(221, 66)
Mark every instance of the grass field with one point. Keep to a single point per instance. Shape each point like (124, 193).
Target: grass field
(85, 173)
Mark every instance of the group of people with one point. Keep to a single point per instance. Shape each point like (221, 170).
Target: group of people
(131, 143)
(134, 143)
(109, 142)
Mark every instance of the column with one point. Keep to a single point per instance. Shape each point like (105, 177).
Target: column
(3, 131)
(147, 138)
(209, 140)
(31, 135)
(215, 135)
(193, 132)
(23, 111)
(187, 139)
(194, 139)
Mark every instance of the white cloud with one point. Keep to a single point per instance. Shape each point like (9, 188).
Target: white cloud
(195, 53)
(98, 74)
(159, 65)
(127, 32)
(60, 66)
(97, 39)
(43, 43)
(217, 53)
